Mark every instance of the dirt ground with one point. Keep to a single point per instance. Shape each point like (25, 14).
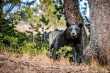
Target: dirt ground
(42, 64)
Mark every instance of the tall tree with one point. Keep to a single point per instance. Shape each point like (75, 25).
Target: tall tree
(100, 29)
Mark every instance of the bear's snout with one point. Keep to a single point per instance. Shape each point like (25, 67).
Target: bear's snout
(73, 34)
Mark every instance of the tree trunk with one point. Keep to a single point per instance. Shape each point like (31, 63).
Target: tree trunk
(100, 30)
(71, 11)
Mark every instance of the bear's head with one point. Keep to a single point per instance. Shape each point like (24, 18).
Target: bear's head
(74, 30)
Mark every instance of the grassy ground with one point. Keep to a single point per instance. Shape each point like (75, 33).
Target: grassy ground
(24, 63)
(30, 59)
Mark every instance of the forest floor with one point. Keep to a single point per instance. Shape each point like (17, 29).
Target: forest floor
(13, 63)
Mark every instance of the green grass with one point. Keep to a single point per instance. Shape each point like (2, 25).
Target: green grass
(27, 48)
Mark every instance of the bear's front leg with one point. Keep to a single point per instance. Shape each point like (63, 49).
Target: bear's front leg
(77, 53)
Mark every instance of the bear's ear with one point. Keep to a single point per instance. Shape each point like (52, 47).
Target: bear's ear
(80, 25)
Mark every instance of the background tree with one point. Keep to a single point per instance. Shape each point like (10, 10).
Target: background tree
(100, 30)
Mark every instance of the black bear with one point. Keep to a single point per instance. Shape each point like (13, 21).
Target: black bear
(71, 36)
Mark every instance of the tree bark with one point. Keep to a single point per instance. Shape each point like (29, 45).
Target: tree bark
(71, 11)
(100, 30)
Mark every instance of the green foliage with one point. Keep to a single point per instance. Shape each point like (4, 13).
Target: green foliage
(45, 20)
(52, 14)
(20, 44)
(59, 9)
(28, 11)
(12, 41)
(14, 1)
(65, 52)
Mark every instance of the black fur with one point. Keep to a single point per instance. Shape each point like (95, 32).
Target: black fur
(70, 37)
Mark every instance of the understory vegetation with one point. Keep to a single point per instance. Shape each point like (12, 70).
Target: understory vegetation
(39, 14)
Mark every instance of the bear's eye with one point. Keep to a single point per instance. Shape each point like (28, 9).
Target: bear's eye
(77, 29)
(70, 29)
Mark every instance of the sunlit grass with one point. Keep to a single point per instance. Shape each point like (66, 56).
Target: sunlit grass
(27, 48)
(36, 48)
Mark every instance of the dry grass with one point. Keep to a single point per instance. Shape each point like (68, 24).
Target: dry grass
(14, 63)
